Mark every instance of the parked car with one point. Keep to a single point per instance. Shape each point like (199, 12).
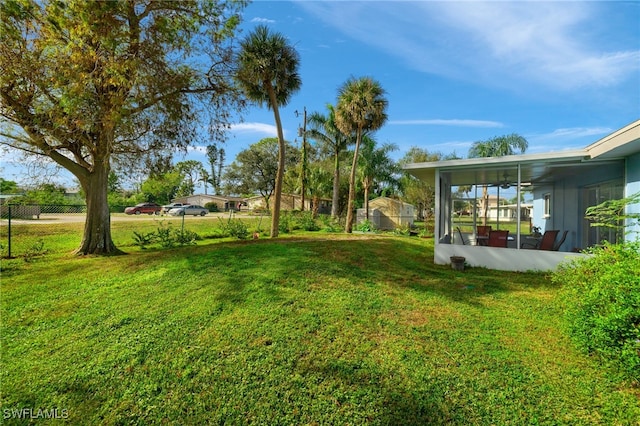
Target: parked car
(148, 208)
(165, 209)
(189, 209)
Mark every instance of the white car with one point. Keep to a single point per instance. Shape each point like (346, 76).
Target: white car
(190, 209)
(165, 209)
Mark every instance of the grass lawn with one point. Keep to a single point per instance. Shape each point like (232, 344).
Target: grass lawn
(306, 329)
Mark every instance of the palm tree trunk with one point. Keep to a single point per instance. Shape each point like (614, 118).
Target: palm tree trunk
(336, 187)
(316, 206)
(485, 204)
(275, 214)
(348, 227)
(366, 184)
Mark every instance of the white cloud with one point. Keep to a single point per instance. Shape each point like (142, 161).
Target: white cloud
(262, 128)
(449, 122)
(558, 45)
(573, 133)
(263, 20)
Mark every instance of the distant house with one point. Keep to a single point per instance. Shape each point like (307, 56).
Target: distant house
(509, 212)
(289, 202)
(224, 203)
(564, 184)
(386, 213)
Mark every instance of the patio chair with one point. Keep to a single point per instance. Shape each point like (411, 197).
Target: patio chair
(498, 238)
(557, 245)
(464, 243)
(546, 243)
(482, 234)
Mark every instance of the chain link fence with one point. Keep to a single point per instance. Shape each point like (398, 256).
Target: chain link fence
(31, 230)
(24, 227)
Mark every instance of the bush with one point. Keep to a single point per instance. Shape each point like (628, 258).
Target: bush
(601, 299)
(285, 225)
(235, 228)
(166, 236)
(212, 207)
(365, 226)
(329, 224)
(306, 221)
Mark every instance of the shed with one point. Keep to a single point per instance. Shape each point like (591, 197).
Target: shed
(388, 213)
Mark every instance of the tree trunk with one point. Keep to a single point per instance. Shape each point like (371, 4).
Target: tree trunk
(97, 227)
(316, 206)
(275, 216)
(485, 205)
(348, 227)
(366, 186)
(336, 187)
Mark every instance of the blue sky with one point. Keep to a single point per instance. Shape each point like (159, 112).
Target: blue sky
(561, 74)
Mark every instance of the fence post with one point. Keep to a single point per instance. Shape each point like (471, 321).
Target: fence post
(9, 231)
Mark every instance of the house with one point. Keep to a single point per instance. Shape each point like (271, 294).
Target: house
(498, 209)
(224, 203)
(509, 212)
(386, 213)
(290, 202)
(564, 184)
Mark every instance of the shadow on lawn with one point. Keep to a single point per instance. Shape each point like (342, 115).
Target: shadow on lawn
(367, 389)
(394, 262)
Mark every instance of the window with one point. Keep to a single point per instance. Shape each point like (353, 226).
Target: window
(592, 196)
(547, 205)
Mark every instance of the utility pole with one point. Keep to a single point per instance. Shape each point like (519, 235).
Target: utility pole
(303, 173)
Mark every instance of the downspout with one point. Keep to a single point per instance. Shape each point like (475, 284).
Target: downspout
(438, 211)
(518, 207)
(475, 208)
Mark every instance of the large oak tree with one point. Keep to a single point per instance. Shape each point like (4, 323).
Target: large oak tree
(88, 83)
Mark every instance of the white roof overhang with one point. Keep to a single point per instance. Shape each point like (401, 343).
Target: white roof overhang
(534, 168)
(618, 144)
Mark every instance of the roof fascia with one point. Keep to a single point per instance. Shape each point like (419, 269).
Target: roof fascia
(615, 140)
(573, 155)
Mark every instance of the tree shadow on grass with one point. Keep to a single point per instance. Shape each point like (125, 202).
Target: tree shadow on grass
(237, 268)
(365, 390)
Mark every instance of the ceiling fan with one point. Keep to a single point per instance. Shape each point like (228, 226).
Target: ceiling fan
(503, 183)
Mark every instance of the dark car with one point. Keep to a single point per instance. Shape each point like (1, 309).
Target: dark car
(148, 208)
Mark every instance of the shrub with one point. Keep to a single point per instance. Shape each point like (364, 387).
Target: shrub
(143, 239)
(286, 223)
(212, 207)
(601, 299)
(166, 236)
(329, 224)
(235, 228)
(306, 221)
(35, 250)
(365, 226)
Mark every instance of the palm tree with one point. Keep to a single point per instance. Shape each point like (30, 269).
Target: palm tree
(268, 74)
(361, 107)
(498, 146)
(416, 191)
(375, 166)
(319, 186)
(324, 130)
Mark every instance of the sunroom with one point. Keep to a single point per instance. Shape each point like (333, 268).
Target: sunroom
(543, 192)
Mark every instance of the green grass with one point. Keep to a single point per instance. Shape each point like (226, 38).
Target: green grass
(466, 225)
(307, 329)
(66, 237)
